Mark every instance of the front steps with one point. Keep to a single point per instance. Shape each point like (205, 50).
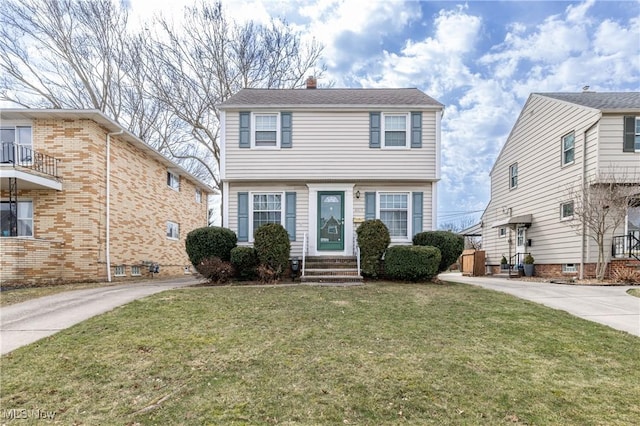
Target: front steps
(321, 269)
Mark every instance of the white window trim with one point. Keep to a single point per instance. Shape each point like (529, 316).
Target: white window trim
(198, 196)
(136, 271)
(407, 130)
(120, 271)
(177, 179)
(563, 150)
(177, 226)
(517, 176)
(502, 234)
(253, 129)
(409, 237)
(283, 208)
(562, 217)
(636, 134)
(569, 268)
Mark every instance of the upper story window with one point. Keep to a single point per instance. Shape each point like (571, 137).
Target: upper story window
(568, 149)
(513, 176)
(173, 230)
(15, 135)
(21, 225)
(198, 195)
(394, 213)
(631, 139)
(266, 130)
(173, 181)
(566, 210)
(395, 130)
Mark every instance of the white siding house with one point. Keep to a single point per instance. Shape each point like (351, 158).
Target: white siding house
(321, 161)
(559, 141)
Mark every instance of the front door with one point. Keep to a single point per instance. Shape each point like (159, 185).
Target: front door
(331, 220)
(521, 233)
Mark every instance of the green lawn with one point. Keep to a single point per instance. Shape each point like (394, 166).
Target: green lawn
(634, 292)
(367, 355)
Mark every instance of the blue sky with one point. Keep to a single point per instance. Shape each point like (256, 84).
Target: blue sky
(481, 59)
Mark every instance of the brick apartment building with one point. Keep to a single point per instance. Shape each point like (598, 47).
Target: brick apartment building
(84, 200)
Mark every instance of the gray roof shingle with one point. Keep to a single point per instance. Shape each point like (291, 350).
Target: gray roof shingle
(330, 97)
(608, 101)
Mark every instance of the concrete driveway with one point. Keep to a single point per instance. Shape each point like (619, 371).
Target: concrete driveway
(26, 322)
(608, 305)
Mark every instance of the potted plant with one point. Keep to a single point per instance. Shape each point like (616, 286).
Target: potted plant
(528, 265)
(503, 264)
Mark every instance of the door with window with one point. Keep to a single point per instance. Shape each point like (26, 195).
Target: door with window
(521, 233)
(331, 220)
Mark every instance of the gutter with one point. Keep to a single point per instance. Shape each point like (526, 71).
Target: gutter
(108, 199)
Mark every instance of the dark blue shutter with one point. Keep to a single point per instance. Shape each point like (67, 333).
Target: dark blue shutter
(245, 130)
(416, 130)
(417, 212)
(243, 216)
(374, 130)
(369, 205)
(285, 130)
(629, 134)
(290, 217)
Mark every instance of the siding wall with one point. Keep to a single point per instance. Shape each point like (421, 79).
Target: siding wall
(535, 144)
(70, 224)
(302, 203)
(623, 165)
(330, 146)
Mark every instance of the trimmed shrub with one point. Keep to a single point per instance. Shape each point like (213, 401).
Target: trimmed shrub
(210, 241)
(272, 245)
(244, 261)
(411, 263)
(215, 270)
(266, 275)
(373, 239)
(450, 245)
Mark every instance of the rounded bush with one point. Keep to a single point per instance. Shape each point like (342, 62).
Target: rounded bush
(244, 261)
(450, 245)
(411, 263)
(272, 245)
(373, 240)
(210, 241)
(216, 271)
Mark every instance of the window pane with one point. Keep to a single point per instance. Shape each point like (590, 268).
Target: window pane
(568, 156)
(7, 135)
(394, 213)
(24, 136)
(264, 138)
(394, 138)
(266, 122)
(267, 208)
(395, 122)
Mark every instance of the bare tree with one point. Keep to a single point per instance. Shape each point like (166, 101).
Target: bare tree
(599, 208)
(197, 69)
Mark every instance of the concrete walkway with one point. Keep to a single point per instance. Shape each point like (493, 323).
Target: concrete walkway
(608, 305)
(26, 322)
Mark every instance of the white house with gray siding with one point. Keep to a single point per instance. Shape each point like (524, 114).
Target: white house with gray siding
(321, 161)
(559, 141)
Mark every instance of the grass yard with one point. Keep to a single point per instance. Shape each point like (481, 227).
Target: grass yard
(368, 355)
(634, 292)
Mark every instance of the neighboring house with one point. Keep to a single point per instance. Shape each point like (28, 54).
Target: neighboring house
(83, 199)
(321, 161)
(559, 141)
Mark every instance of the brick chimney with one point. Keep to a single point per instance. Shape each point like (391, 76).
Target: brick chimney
(312, 83)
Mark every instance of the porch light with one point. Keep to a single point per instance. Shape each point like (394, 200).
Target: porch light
(358, 194)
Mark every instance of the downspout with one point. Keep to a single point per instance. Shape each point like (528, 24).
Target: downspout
(107, 208)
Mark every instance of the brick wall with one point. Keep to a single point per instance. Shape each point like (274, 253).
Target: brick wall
(70, 225)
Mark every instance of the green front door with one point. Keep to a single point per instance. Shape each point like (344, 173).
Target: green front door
(331, 220)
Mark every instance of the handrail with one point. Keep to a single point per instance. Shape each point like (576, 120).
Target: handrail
(304, 252)
(626, 245)
(356, 250)
(22, 156)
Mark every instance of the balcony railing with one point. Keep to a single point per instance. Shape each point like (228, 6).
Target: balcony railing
(626, 246)
(25, 157)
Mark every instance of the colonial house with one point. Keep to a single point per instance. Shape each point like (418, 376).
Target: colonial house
(561, 144)
(321, 161)
(83, 199)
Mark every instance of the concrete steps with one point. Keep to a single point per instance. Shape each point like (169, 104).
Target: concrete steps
(331, 269)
